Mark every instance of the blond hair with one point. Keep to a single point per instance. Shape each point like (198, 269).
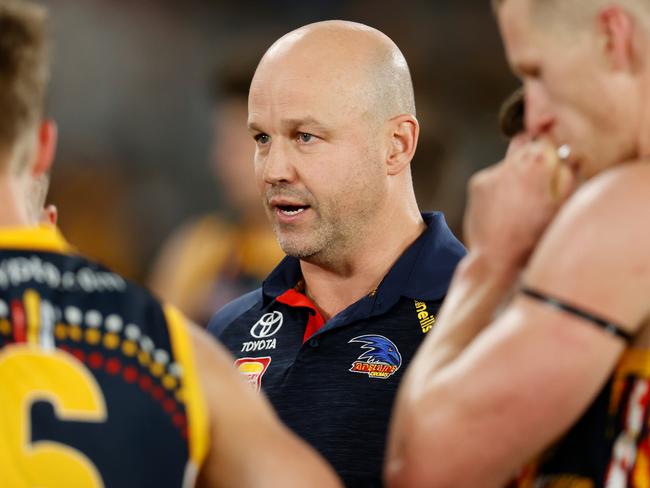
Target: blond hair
(568, 12)
(23, 71)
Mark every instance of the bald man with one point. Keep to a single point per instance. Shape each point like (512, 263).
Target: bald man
(329, 334)
(539, 368)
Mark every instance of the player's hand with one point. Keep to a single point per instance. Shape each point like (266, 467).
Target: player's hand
(511, 203)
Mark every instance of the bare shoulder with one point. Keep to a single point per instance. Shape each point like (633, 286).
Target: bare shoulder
(595, 251)
(610, 204)
(626, 184)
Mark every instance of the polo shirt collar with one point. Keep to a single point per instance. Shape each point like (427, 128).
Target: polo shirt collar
(422, 272)
(43, 237)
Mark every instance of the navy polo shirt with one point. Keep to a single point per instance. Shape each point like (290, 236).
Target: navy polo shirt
(335, 388)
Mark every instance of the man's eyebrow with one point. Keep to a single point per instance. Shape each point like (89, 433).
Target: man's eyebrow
(522, 68)
(294, 123)
(253, 127)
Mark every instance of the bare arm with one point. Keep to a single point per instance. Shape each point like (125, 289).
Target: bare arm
(499, 245)
(474, 295)
(526, 377)
(249, 447)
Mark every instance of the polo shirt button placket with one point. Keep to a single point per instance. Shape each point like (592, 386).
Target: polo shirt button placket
(313, 342)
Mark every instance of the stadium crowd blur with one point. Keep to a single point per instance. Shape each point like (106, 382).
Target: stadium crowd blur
(142, 90)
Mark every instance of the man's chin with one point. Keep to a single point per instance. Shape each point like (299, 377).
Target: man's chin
(297, 247)
(300, 252)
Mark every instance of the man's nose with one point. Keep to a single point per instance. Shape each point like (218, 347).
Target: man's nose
(539, 118)
(278, 164)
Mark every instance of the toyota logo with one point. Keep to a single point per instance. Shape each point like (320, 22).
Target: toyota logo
(267, 325)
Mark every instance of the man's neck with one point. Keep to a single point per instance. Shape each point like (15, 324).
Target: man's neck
(642, 100)
(335, 286)
(12, 214)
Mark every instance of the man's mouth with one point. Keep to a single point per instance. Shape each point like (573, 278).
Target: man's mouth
(288, 207)
(291, 209)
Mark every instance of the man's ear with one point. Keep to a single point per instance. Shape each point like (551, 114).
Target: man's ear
(616, 28)
(404, 133)
(46, 147)
(50, 215)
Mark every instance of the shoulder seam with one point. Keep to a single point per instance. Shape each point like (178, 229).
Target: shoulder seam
(231, 311)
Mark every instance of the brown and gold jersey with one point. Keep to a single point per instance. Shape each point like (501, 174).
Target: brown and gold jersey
(610, 445)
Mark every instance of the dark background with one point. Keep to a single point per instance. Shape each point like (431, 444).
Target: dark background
(130, 91)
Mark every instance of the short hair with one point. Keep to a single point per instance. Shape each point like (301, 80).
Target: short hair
(38, 194)
(24, 69)
(511, 114)
(569, 11)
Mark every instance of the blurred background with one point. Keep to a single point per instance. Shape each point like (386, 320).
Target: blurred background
(154, 156)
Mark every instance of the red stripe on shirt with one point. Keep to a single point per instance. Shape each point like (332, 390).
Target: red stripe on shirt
(18, 321)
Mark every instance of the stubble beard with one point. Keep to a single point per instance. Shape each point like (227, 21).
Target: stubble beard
(337, 231)
(316, 244)
(331, 239)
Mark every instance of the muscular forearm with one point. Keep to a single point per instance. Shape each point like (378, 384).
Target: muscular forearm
(480, 286)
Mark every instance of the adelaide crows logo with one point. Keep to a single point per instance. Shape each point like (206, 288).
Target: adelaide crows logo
(381, 358)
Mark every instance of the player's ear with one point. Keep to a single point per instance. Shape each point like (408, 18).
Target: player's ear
(50, 215)
(45, 147)
(616, 28)
(404, 132)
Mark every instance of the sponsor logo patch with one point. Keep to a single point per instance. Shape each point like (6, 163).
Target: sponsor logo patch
(268, 325)
(426, 319)
(381, 358)
(253, 369)
(261, 345)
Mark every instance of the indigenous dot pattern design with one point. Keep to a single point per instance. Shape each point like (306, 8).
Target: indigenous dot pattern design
(106, 343)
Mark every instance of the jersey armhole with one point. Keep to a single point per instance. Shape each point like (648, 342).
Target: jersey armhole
(195, 406)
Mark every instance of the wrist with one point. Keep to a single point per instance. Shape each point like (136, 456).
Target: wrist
(485, 267)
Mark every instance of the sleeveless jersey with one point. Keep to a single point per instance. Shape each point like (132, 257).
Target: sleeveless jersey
(99, 386)
(609, 446)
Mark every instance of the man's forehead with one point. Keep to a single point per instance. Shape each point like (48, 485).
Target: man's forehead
(284, 91)
(292, 103)
(313, 71)
(300, 95)
(520, 38)
(514, 20)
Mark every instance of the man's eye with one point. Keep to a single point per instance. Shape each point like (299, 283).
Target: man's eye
(305, 137)
(262, 138)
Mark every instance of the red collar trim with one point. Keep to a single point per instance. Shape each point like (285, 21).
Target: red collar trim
(294, 298)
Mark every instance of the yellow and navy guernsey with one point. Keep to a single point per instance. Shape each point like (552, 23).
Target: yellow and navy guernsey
(609, 446)
(333, 383)
(99, 386)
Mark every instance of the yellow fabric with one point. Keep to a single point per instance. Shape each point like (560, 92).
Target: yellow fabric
(32, 311)
(28, 374)
(72, 377)
(193, 258)
(45, 237)
(195, 407)
(641, 473)
(634, 362)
